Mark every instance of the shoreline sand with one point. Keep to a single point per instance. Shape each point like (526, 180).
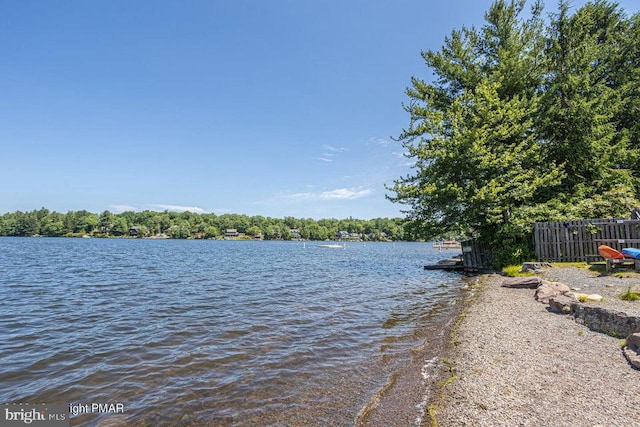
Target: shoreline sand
(512, 362)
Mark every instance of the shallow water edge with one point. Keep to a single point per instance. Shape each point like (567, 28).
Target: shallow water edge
(222, 333)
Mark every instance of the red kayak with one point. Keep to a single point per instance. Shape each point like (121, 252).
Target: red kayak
(609, 253)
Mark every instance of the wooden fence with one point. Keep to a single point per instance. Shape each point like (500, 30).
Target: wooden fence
(476, 256)
(573, 241)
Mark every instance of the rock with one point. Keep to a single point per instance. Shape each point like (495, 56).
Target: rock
(534, 266)
(522, 282)
(547, 290)
(632, 356)
(610, 322)
(634, 340)
(562, 303)
(589, 297)
(632, 350)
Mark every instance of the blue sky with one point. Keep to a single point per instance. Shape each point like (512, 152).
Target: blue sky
(274, 108)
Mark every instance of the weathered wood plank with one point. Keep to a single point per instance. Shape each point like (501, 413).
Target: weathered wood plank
(578, 240)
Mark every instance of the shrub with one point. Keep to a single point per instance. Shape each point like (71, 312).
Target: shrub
(629, 295)
(514, 271)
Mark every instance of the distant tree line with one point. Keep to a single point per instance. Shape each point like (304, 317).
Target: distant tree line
(525, 120)
(188, 225)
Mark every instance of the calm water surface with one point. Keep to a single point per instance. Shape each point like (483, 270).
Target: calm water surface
(213, 332)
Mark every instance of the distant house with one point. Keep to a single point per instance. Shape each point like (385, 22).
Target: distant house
(345, 235)
(294, 233)
(134, 231)
(231, 233)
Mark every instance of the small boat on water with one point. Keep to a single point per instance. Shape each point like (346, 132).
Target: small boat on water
(447, 244)
(331, 246)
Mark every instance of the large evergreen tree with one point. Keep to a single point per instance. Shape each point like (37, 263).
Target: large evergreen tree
(582, 101)
(524, 122)
(472, 131)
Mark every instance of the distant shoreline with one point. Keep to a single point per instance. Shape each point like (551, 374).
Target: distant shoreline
(185, 225)
(215, 239)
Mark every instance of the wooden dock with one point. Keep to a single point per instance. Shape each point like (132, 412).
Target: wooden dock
(450, 264)
(446, 267)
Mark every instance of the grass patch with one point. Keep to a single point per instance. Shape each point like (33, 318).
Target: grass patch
(581, 264)
(431, 410)
(582, 298)
(448, 381)
(627, 274)
(514, 271)
(629, 295)
(600, 268)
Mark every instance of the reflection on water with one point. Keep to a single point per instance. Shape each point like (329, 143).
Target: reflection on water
(212, 333)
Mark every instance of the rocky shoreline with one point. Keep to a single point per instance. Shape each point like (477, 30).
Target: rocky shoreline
(513, 361)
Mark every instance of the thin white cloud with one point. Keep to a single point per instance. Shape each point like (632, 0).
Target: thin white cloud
(123, 208)
(336, 194)
(221, 211)
(333, 149)
(299, 196)
(345, 193)
(325, 158)
(329, 153)
(379, 141)
(178, 208)
(403, 158)
(157, 207)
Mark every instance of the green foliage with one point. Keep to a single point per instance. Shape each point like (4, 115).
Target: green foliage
(512, 252)
(592, 229)
(629, 295)
(592, 70)
(187, 225)
(471, 132)
(514, 271)
(525, 121)
(432, 410)
(451, 378)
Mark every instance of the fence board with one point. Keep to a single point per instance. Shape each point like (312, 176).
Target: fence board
(476, 256)
(571, 241)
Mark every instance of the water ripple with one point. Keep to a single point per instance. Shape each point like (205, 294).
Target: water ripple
(229, 332)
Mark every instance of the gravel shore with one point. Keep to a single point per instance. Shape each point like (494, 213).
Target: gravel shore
(514, 363)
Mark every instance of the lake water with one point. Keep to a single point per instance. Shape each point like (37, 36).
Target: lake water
(220, 332)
